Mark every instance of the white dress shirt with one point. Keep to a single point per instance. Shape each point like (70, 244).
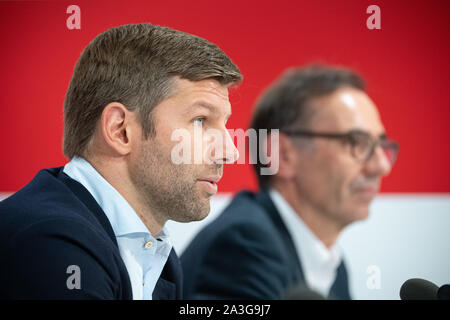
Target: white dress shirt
(319, 264)
(143, 255)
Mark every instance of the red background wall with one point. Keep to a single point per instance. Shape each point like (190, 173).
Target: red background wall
(406, 65)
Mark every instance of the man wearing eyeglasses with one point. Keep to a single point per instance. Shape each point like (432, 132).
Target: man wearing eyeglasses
(333, 153)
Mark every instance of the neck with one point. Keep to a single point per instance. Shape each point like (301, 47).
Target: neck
(114, 171)
(322, 226)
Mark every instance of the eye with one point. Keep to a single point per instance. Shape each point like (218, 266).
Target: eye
(199, 121)
(353, 139)
(359, 139)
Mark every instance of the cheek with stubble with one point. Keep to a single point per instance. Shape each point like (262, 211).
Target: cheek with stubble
(169, 188)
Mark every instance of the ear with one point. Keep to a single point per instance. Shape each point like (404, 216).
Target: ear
(118, 127)
(288, 157)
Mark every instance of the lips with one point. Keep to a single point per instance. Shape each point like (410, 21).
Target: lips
(367, 194)
(366, 186)
(209, 183)
(369, 190)
(212, 179)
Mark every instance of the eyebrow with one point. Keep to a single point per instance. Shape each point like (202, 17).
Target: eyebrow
(210, 107)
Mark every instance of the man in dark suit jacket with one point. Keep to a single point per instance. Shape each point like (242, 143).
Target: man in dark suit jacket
(321, 171)
(94, 229)
(249, 254)
(54, 223)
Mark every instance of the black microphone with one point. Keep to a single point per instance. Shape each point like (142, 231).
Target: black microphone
(444, 292)
(420, 289)
(302, 293)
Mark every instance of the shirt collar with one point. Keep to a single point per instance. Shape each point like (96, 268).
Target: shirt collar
(311, 251)
(121, 215)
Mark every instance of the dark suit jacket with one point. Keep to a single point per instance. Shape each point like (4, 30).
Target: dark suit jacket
(247, 253)
(53, 223)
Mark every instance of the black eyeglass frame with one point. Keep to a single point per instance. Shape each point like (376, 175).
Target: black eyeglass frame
(349, 137)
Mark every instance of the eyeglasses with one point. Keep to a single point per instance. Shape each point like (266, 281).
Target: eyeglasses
(362, 143)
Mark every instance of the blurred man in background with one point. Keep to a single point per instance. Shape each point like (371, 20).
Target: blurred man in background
(333, 153)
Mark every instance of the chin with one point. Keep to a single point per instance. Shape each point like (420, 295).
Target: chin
(205, 211)
(201, 212)
(355, 214)
(192, 210)
(361, 213)
(360, 208)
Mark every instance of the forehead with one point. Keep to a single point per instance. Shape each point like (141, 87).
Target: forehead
(345, 109)
(208, 88)
(188, 96)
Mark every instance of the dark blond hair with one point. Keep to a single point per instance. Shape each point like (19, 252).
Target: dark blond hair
(134, 65)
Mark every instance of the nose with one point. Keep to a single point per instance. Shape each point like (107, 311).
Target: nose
(378, 164)
(231, 153)
(221, 146)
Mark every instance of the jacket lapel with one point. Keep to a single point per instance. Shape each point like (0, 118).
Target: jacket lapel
(339, 289)
(266, 202)
(84, 196)
(170, 284)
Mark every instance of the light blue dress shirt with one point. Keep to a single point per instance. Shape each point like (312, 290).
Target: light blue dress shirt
(144, 255)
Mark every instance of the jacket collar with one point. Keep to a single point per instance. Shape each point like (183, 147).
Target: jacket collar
(85, 197)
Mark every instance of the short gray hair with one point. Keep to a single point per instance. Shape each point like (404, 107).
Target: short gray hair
(285, 103)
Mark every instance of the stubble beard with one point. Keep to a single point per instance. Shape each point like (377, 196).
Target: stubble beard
(170, 191)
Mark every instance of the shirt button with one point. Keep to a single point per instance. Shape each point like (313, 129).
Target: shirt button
(147, 245)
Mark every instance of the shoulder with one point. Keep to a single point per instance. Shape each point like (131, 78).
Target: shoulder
(243, 233)
(44, 229)
(45, 202)
(239, 255)
(46, 211)
(242, 221)
(244, 211)
(38, 258)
